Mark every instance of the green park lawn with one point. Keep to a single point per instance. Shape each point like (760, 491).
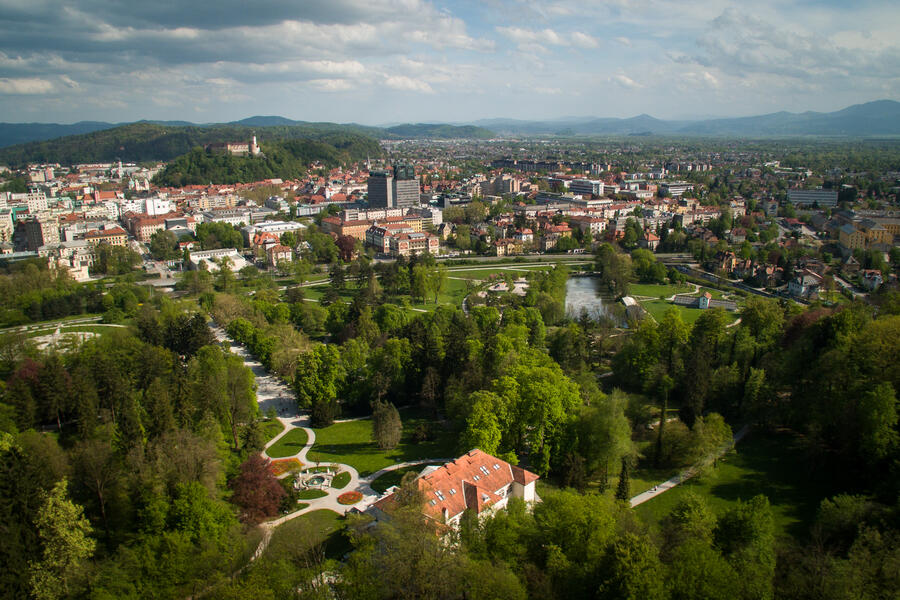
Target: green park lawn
(311, 494)
(351, 443)
(392, 478)
(289, 445)
(643, 479)
(768, 464)
(271, 428)
(306, 531)
(717, 294)
(654, 290)
(658, 308)
(481, 274)
(340, 480)
(454, 292)
(316, 293)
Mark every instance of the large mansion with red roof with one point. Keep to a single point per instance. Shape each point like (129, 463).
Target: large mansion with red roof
(475, 481)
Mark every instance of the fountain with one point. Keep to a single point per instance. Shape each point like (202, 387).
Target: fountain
(314, 479)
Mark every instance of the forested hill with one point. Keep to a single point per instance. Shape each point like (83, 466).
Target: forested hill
(284, 160)
(138, 142)
(146, 141)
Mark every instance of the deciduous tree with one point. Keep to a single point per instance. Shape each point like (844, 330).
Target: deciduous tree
(256, 490)
(65, 536)
(386, 425)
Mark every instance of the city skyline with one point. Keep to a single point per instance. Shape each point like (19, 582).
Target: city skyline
(414, 61)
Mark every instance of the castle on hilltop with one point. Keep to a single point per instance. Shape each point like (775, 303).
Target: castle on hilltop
(250, 148)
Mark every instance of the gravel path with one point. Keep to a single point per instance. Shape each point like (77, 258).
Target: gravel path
(272, 392)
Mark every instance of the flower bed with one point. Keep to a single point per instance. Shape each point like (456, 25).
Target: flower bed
(348, 498)
(286, 465)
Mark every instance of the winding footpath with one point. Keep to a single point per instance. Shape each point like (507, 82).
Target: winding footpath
(665, 486)
(273, 393)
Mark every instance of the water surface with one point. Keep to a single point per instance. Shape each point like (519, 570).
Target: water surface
(585, 294)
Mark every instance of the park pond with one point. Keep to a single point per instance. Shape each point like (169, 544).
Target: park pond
(584, 294)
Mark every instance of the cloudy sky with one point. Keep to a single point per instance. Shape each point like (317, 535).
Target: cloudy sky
(377, 62)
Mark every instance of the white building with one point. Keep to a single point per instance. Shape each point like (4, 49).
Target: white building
(211, 259)
(586, 186)
(233, 216)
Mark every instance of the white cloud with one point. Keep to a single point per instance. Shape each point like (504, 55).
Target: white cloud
(770, 55)
(626, 82)
(25, 86)
(583, 40)
(331, 67)
(408, 84)
(331, 85)
(548, 36)
(740, 43)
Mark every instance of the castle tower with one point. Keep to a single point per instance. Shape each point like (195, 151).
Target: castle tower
(254, 147)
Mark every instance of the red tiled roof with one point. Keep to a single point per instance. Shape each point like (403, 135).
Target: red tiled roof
(469, 482)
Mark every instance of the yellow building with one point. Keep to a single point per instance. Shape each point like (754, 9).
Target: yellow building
(851, 237)
(115, 236)
(892, 225)
(876, 233)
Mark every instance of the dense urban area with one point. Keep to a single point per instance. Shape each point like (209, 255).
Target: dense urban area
(337, 363)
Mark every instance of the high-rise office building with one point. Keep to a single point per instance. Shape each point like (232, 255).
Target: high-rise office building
(32, 232)
(405, 186)
(381, 189)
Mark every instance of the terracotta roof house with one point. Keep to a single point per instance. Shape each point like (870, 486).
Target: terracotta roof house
(277, 253)
(475, 481)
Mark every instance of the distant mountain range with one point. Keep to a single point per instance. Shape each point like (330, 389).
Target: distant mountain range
(881, 117)
(163, 140)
